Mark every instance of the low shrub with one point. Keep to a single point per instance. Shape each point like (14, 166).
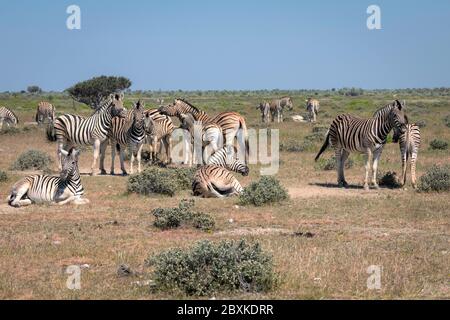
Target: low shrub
(447, 120)
(3, 176)
(296, 146)
(437, 144)
(9, 130)
(266, 190)
(437, 178)
(208, 268)
(171, 218)
(389, 180)
(32, 160)
(331, 164)
(162, 181)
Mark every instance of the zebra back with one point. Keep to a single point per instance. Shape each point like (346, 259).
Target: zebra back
(8, 115)
(227, 157)
(409, 140)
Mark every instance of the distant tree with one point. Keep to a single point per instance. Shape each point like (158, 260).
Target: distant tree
(34, 89)
(93, 91)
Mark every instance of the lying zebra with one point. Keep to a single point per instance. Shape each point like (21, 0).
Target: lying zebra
(47, 189)
(408, 138)
(214, 180)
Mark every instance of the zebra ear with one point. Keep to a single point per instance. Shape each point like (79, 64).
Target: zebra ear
(64, 152)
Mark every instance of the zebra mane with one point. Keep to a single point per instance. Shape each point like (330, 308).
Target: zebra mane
(383, 110)
(189, 104)
(13, 113)
(104, 104)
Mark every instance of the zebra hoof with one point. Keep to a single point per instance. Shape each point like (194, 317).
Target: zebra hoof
(112, 173)
(376, 187)
(343, 185)
(366, 187)
(124, 174)
(102, 172)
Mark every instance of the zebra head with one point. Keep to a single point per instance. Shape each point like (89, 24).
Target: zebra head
(289, 104)
(239, 167)
(392, 117)
(170, 110)
(69, 163)
(149, 123)
(399, 131)
(187, 121)
(116, 102)
(138, 112)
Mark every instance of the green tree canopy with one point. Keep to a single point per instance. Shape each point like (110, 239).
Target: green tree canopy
(93, 91)
(34, 89)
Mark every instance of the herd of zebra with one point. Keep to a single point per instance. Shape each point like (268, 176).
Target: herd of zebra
(111, 124)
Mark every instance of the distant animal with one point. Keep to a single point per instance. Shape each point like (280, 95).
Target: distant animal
(75, 130)
(227, 157)
(408, 138)
(159, 129)
(125, 133)
(211, 181)
(348, 133)
(312, 106)
(264, 108)
(45, 189)
(8, 117)
(277, 106)
(45, 111)
(232, 123)
(209, 135)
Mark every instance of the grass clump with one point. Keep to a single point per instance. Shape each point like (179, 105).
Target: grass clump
(389, 180)
(3, 176)
(447, 120)
(437, 144)
(9, 130)
(437, 178)
(266, 190)
(171, 218)
(159, 180)
(208, 268)
(331, 164)
(32, 160)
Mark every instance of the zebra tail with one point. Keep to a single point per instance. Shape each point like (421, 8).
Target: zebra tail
(324, 147)
(245, 132)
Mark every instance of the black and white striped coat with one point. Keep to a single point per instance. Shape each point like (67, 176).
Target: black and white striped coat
(227, 157)
(348, 134)
(159, 128)
(8, 117)
(45, 111)
(409, 141)
(211, 181)
(75, 130)
(47, 189)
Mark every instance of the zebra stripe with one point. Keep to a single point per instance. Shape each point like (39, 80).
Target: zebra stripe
(8, 116)
(348, 133)
(49, 189)
(277, 107)
(409, 142)
(45, 110)
(226, 157)
(264, 108)
(212, 181)
(312, 106)
(77, 130)
(159, 129)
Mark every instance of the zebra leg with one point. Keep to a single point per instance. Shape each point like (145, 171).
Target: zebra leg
(96, 153)
(103, 147)
(59, 147)
(139, 156)
(413, 170)
(404, 169)
(122, 160)
(367, 167)
(113, 156)
(376, 158)
(168, 146)
(340, 168)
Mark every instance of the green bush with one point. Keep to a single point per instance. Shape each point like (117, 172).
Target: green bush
(331, 164)
(207, 268)
(266, 190)
(171, 218)
(162, 181)
(3, 176)
(389, 180)
(437, 178)
(9, 130)
(32, 160)
(437, 144)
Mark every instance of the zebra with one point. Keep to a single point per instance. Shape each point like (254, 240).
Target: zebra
(231, 123)
(264, 108)
(45, 110)
(66, 188)
(408, 138)
(8, 116)
(277, 106)
(76, 130)
(159, 129)
(226, 157)
(128, 132)
(211, 135)
(348, 133)
(211, 181)
(312, 106)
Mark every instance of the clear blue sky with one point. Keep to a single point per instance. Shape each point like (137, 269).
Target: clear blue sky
(229, 44)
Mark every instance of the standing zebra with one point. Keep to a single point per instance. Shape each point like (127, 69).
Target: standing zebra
(45, 110)
(8, 116)
(264, 108)
(409, 140)
(128, 132)
(213, 181)
(231, 123)
(348, 133)
(312, 106)
(76, 130)
(277, 106)
(226, 157)
(49, 189)
(159, 129)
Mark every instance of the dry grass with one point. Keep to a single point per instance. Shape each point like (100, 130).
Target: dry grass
(405, 232)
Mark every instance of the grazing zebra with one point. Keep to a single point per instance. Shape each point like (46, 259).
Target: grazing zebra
(211, 135)
(211, 181)
(226, 157)
(408, 138)
(231, 123)
(45, 110)
(76, 130)
(277, 106)
(312, 106)
(49, 189)
(8, 116)
(264, 108)
(348, 133)
(128, 132)
(159, 130)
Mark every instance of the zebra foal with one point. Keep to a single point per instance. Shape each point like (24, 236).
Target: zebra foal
(408, 138)
(45, 110)
(211, 181)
